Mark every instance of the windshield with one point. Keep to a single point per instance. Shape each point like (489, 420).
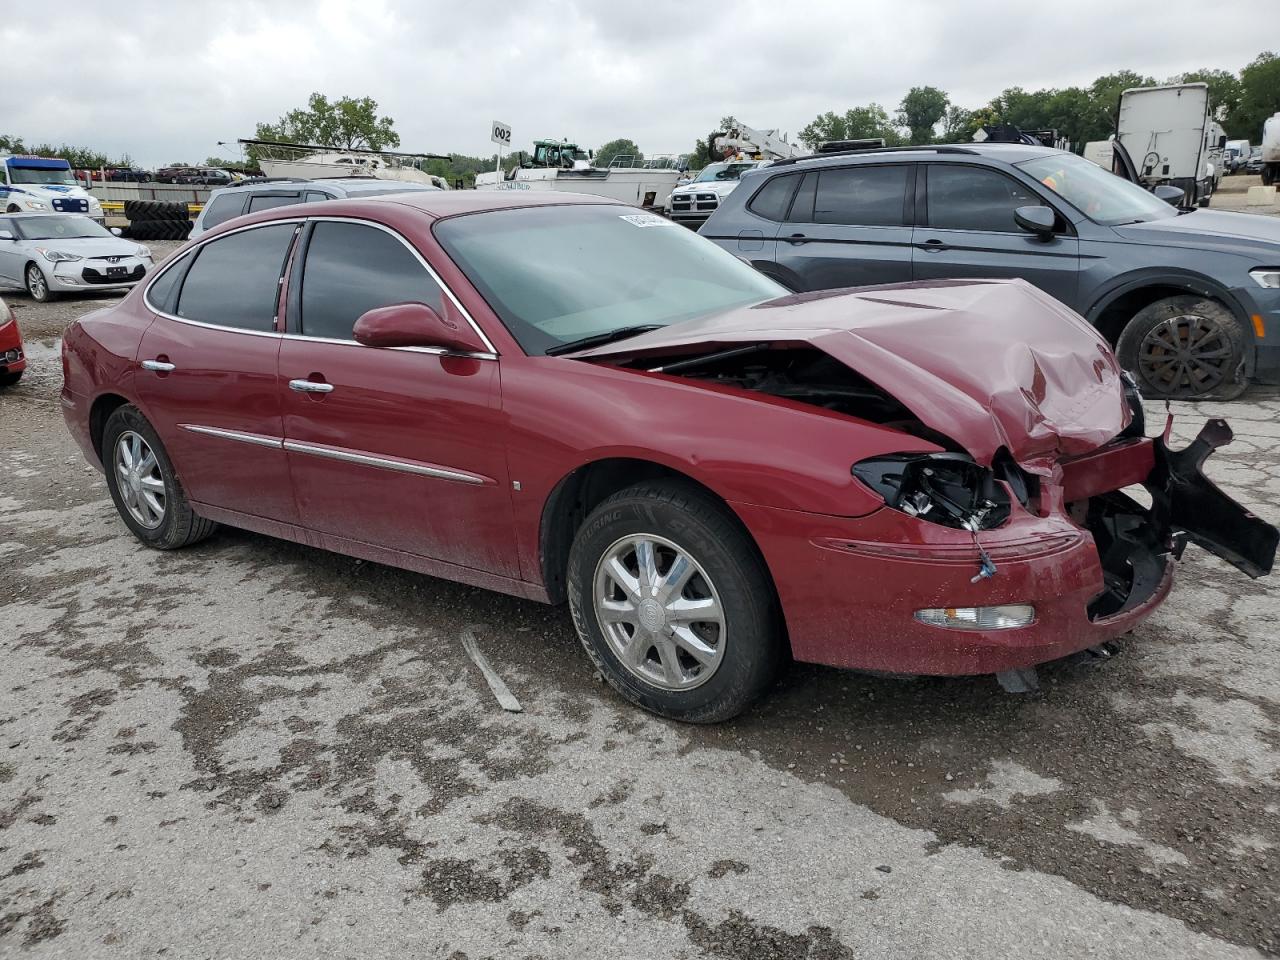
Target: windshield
(723, 171)
(59, 228)
(1101, 196)
(29, 175)
(558, 274)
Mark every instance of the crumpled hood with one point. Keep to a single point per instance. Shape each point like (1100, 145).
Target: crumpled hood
(988, 363)
(1205, 226)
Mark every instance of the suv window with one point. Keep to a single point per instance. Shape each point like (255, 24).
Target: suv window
(269, 201)
(352, 268)
(862, 196)
(314, 196)
(973, 198)
(235, 280)
(223, 208)
(775, 197)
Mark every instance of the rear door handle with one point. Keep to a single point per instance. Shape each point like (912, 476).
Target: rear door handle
(933, 246)
(159, 366)
(310, 386)
(797, 238)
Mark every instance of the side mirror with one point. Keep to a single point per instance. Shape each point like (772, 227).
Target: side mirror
(1169, 194)
(117, 232)
(1037, 220)
(417, 325)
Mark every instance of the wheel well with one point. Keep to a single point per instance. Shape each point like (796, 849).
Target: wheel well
(1116, 314)
(575, 496)
(99, 413)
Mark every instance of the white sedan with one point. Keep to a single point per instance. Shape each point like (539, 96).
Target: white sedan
(51, 254)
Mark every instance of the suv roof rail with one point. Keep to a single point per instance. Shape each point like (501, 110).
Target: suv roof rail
(247, 181)
(862, 151)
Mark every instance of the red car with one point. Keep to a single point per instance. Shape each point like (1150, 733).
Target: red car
(560, 397)
(12, 359)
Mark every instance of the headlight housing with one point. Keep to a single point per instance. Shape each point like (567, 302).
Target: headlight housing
(57, 256)
(144, 251)
(1268, 277)
(32, 204)
(944, 488)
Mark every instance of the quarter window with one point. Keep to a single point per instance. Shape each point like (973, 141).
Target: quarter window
(775, 197)
(314, 196)
(862, 196)
(353, 268)
(222, 209)
(235, 281)
(971, 198)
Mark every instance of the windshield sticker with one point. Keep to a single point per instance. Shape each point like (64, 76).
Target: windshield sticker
(647, 220)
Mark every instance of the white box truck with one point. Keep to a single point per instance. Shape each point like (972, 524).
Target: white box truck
(1172, 138)
(1271, 150)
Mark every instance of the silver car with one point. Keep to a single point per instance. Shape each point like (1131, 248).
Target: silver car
(51, 254)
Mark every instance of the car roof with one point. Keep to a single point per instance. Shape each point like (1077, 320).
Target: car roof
(348, 185)
(448, 203)
(1006, 152)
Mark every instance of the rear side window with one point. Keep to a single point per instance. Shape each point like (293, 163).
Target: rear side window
(352, 268)
(235, 280)
(862, 196)
(775, 197)
(269, 201)
(223, 208)
(973, 198)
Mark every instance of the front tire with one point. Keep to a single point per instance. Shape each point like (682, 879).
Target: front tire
(38, 284)
(144, 485)
(9, 379)
(1183, 348)
(673, 603)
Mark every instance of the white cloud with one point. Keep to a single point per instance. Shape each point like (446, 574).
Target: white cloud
(163, 81)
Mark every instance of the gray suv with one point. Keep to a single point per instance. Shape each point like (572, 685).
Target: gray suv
(264, 193)
(1190, 299)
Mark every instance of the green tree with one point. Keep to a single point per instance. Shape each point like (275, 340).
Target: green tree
(958, 124)
(921, 110)
(345, 124)
(856, 123)
(617, 148)
(1259, 97)
(1225, 89)
(12, 144)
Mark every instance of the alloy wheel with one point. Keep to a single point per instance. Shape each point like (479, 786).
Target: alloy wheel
(37, 285)
(1185, 356)
(659, 612)
(141, 483)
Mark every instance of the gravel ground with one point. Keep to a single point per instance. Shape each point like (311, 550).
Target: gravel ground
(255, 749)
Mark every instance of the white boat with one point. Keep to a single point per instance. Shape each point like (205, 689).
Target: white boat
(563, 166)
(312, 162)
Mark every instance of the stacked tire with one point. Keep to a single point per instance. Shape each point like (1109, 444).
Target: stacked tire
(157, 220)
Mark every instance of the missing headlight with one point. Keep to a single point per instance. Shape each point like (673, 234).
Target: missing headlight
(943, 488)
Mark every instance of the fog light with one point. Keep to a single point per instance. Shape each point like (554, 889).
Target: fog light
(1004, 617)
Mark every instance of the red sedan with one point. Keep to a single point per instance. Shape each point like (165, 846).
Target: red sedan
(12, 359)
(563, 398)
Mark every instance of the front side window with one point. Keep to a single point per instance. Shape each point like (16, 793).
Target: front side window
(973, 198)
(235, 280)
(558, 274)
(223, 208)
(352, 268)
(862, 196)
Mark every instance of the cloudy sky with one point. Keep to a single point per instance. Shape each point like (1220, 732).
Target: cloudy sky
(165, 81)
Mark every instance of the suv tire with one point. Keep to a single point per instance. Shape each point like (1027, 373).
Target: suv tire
(1185, 347)
(737, 659)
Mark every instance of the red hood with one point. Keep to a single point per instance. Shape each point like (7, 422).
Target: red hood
(988, 363)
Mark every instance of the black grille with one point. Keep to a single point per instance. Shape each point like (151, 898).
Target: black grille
(114, 274)
(63, 205)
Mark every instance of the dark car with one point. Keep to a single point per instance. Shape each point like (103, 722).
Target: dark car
(562, 397)
(128, 175)
(1190, 300)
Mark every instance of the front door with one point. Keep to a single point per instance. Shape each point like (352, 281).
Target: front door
(401, 447)
(848, 227)
(207, 376)
(967, 230)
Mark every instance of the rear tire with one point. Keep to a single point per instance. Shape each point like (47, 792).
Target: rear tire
(150, 499)
(1183, 348)
(657, 644)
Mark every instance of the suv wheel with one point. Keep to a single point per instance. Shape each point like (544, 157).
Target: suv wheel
(1185, 347)
(673, 603)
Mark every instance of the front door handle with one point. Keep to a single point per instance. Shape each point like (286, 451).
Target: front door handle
(797, 238)
(933, 246)
(310, 386)
(159, 366)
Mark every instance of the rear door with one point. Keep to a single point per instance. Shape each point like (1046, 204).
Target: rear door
(397, 447)
(967, 230)
(848, 226)
(207, 380)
